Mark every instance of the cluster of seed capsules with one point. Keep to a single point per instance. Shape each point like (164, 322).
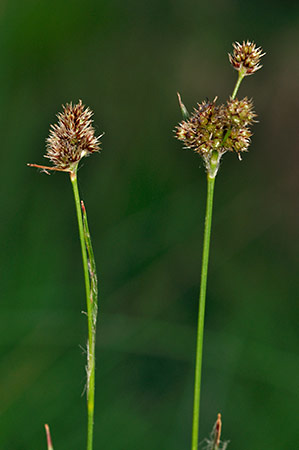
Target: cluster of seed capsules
(218, 127)
(72, 138)
(225, 127)
(209, 128)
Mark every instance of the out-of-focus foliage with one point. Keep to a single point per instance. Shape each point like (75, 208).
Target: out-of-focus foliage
(146, 198)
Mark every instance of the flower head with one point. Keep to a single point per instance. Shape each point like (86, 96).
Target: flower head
(218, 129)
(238, 140)
(203, 131)
(246, 57)
(72, 138)
(240, 112)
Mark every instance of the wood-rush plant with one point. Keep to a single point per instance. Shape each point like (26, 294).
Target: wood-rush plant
(72, 138)
(212, 130)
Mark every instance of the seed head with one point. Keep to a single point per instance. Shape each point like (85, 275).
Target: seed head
(203, 131)
(238, 140)
(219, 128)
(72, 138)
(246, 57)
(240, 112)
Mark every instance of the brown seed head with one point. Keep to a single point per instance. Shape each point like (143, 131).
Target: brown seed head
(240, 112)
(203, 131)
(246, 57)
(239, 116)
(72, 138)
(220, 128)
(238, 140)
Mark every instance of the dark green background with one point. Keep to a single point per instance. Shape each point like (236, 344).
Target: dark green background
(146, 198)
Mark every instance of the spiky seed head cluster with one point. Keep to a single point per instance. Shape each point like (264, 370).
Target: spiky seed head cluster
(218, 128)
(246, 57)
(203, 131)
(72, 138)
(240, 112)
(240, 116)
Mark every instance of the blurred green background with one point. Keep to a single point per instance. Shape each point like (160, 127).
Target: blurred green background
(146, 198)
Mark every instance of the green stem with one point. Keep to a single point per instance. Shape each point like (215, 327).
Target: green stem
(90, 318)
(201, 310)
(212, 169)
(239, 80)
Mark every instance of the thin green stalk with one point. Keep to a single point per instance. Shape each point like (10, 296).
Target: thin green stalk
(239, 80)
(90, 315)
(211, 175)
(201, 310)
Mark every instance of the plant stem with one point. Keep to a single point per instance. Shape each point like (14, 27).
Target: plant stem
(90, 316)
(49, 440)
(211, 175)
(201, 310)
(239, 80)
